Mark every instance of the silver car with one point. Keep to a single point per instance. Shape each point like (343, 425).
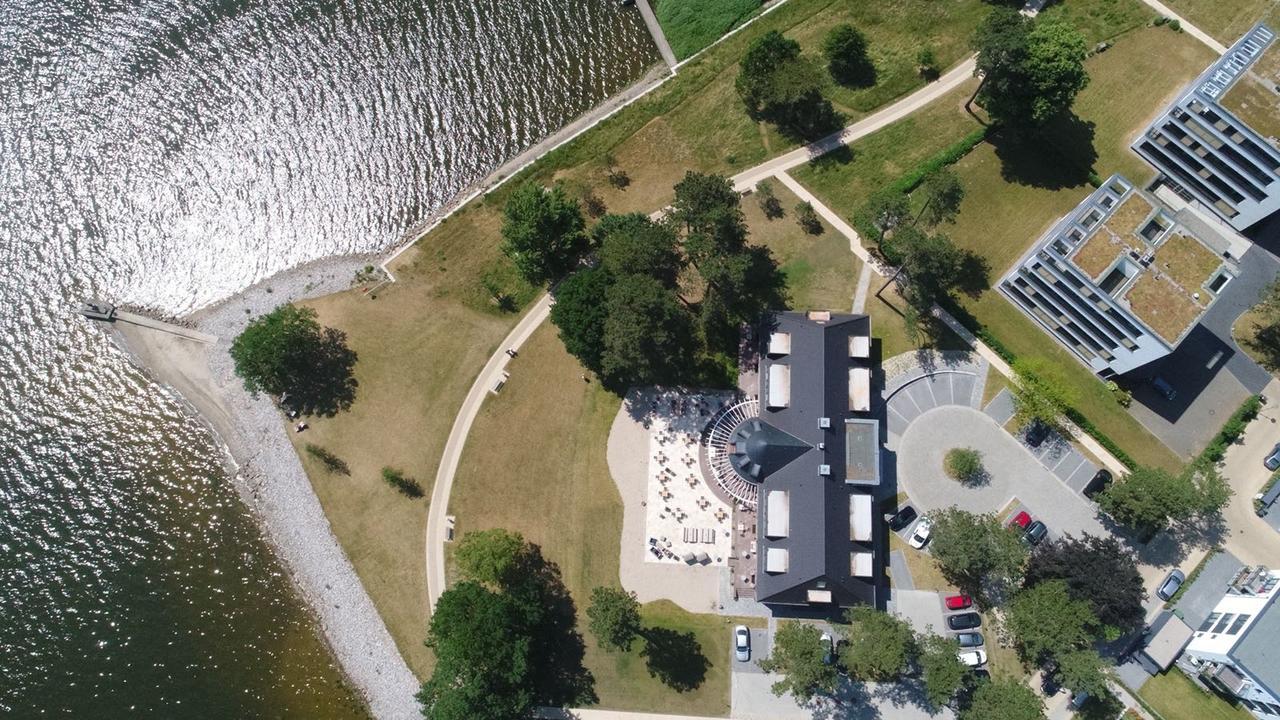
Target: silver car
(1272, 462)
(742, 643)
(1170, 586)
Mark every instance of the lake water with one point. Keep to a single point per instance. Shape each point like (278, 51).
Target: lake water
(166, 153)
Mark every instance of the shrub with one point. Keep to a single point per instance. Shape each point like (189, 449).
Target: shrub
(1175, 25)
(927, 64)
(406, 485)
(331, 462)
(963, 464)
(807, 217)
(770, 205)
(1122, 396)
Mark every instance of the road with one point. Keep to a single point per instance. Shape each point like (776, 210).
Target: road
(493, 369)
(1251, 539)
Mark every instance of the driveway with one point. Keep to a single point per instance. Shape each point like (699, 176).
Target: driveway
(1012, 469)
(1055, 452)
(1249, 537)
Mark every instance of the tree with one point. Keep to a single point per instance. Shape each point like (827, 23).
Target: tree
(877, 645)
(710, 210)
(614, 617)
(1040, 394)
(1004, 698)
(1083, 670)
(1047, 622)
(543, 232)
(1097, 570)
(634, 244)
(845, 49)
(769, 203)
(927, 64)
(971, 549)
(493, 557)
(932, 263)
(963, 464)
(807, 218)
(647, 333)
(1031, 70)
(483, 658)
(287, 351)
(885, 210)
(799, 655)
(579, 313)
(779, 86)
(943, 671)
(1148, 499)
(618, 177)
(942, 192)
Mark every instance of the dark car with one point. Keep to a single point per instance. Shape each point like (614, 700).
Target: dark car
(1097, 484)
(1171, 583)
(1036, 433)
(970, 640)
(964, 621)
(903, 518)
(1164, 388)
(1036, 533)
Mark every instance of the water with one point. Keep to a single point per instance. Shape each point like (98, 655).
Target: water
(166, 153)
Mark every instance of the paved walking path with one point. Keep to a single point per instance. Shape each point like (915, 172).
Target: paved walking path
(655, 29)
(1187, 27)
(864, 284)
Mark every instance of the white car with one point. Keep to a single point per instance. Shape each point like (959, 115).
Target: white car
(828, 649)
(921, 534)
(973, 658)
(742, 643)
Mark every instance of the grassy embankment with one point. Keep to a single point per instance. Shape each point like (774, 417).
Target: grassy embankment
(691, 25)
(422, 340)
(1226, 21)
(1175, 697)
(1013, 194)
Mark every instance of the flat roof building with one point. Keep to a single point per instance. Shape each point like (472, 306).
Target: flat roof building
(1219, 142)
(815, 452)
(1120, 280)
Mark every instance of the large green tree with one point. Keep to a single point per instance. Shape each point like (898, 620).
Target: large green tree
(1006, 698)
(1083, 670)
(972, 549)
(614, 617)
(1097, 570)
(647, 334)
(493, 557)
(634, 244)
(288, 351)
(932, 263)
(778, 85)
(579, 313)
(1148, 498)
(1031, 69)
(711, 212)
(845, 49)
(877, 645)
(941, 192)
(799, 655)
(1040, 393)
(942, 669)
(543, 232)
(1047, 622)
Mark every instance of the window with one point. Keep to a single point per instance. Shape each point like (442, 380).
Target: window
(1208, 623)
(1224, 622)
(1238, 624)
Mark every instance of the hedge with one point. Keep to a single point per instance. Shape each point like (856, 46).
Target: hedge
(1231, 431)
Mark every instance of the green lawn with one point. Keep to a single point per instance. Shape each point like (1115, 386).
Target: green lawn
(691, 25)
(1226, 21)
(1175, 697)
(1101, 20)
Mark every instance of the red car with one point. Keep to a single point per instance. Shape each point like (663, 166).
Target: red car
(959, 602)
(1021, 520)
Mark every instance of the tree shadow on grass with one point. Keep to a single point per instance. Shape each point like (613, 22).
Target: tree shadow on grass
(1060, 155)
(675, 658)
(325, 384)
(560, 676)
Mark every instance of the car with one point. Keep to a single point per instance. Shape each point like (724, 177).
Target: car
(1036, 433)
(1021, 520)
(902, 518)
(921, 534)
(1035, 533)
(1079, 699)
(970, 639)
(964, 621)
(742, 643)
(1272, 462)
(1164, 388)
(1097, 483)
(829, 649)
(1171, 583)
(973, 658)
(959, 602)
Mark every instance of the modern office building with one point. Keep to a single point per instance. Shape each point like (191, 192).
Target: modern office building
(1237, 648)
(811, 454)
(1120, 281)
(1219, 143)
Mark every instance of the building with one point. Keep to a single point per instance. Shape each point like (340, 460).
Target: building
(1122, 279)
(813, 452)
(1219, 142)
(1236, 650)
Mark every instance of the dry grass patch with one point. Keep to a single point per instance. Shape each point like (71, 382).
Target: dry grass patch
(1256, 105)
(1162, 306)
(1127, 219)
(1097, 253)
(821, 271)
(1187, 262)
(925, 574)
(995, 383)
(1225, 21)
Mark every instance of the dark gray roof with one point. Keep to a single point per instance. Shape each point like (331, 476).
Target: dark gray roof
(1203, 595)
(818, 544)
(1258, 650)
(760, 449)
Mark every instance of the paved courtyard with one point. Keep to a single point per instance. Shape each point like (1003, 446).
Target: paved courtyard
(1013, 472)
(1056, 453)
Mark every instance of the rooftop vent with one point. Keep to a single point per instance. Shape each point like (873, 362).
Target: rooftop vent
(824, 422)
(824, 470)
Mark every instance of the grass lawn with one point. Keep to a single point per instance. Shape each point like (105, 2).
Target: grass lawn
(1246, 330)
(1175, 697)
(1002, 660)
(691, 25)
(925, 574)
(554, 487)
(821, 271)
(1226, 21)
(995, 383)
(1101, 20)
